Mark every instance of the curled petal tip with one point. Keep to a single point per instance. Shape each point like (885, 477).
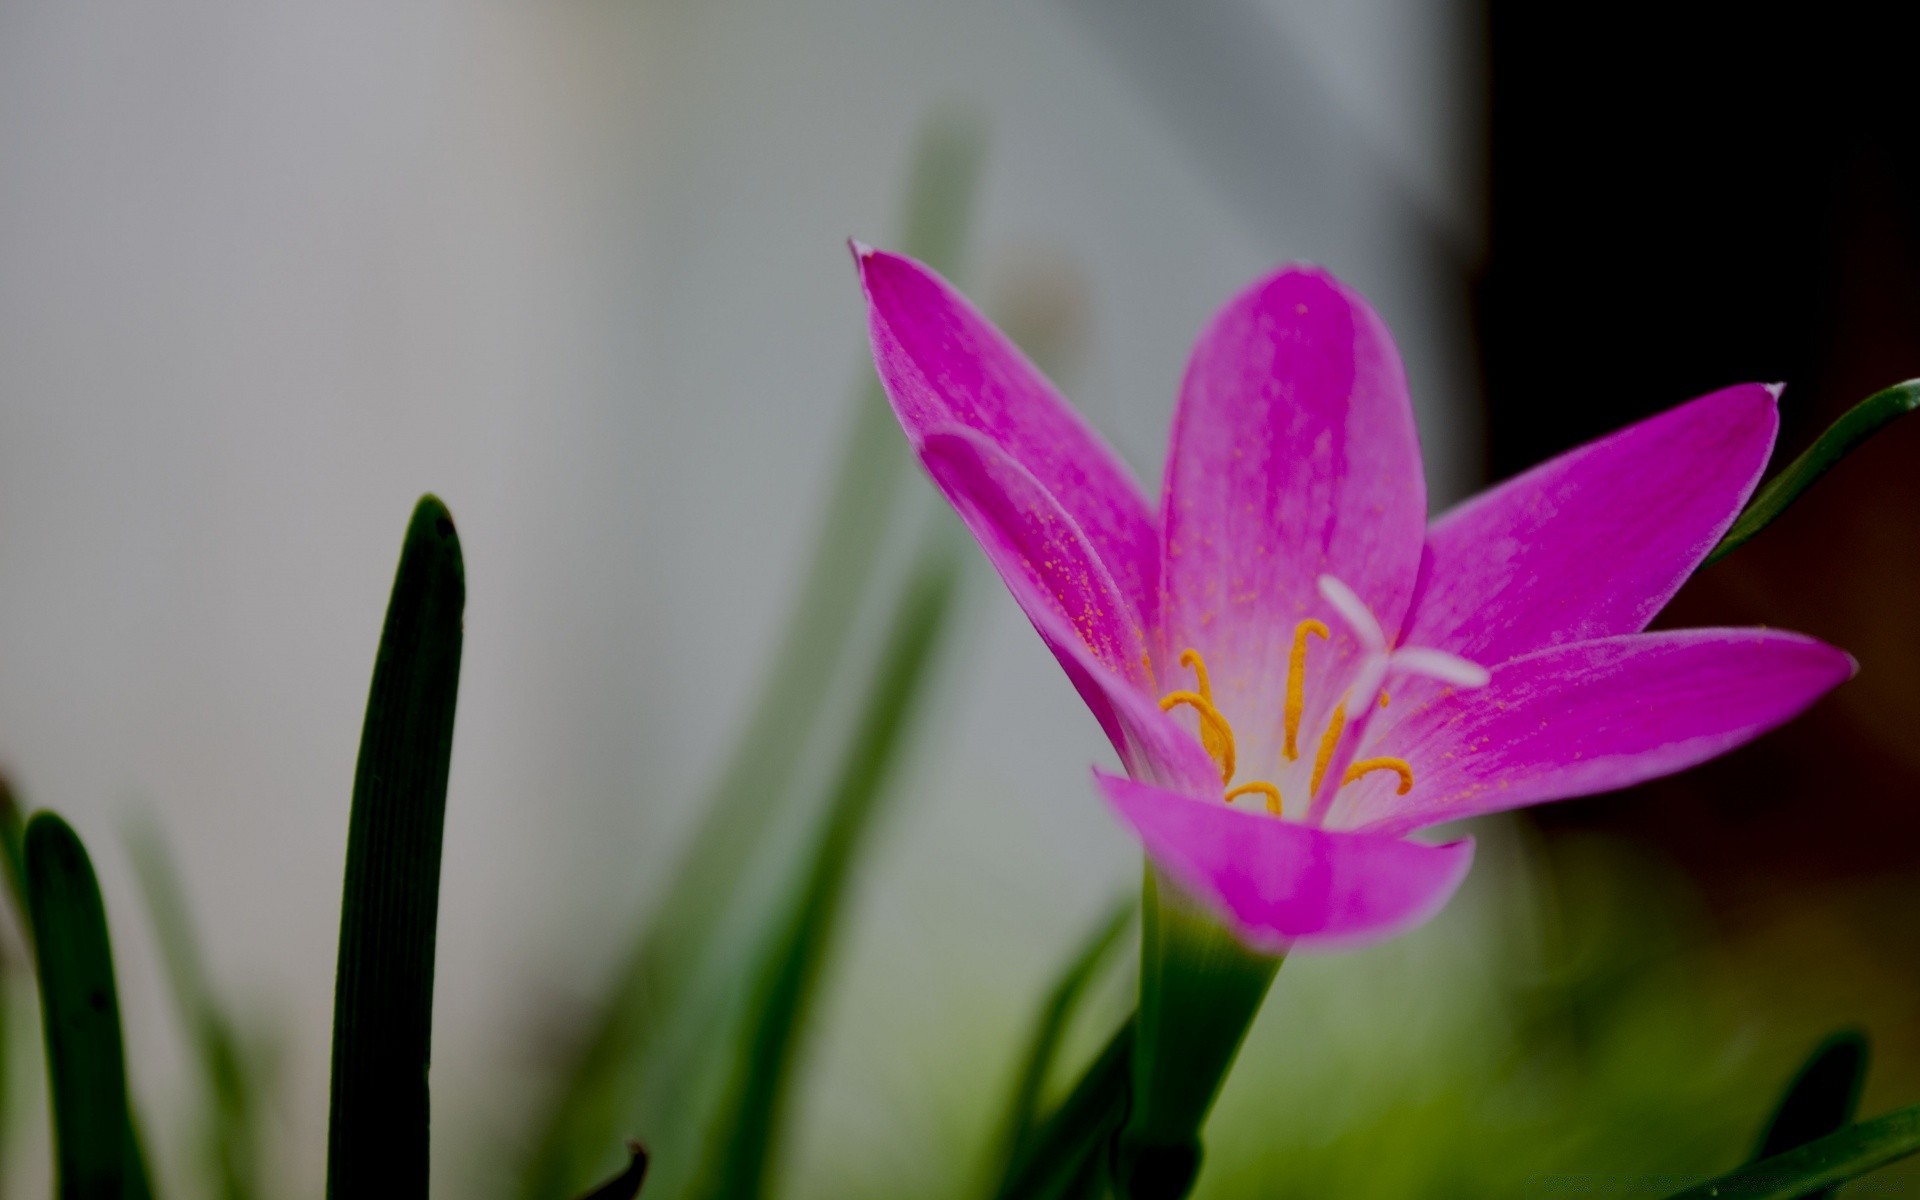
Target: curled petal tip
(1774, 390)
(861, 251)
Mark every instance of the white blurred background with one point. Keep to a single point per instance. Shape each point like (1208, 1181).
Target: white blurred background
(269, 270)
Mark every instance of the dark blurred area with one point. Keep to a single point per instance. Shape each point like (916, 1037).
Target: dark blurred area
(1683, 197)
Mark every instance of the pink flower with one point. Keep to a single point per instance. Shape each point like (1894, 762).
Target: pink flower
(1296, 668)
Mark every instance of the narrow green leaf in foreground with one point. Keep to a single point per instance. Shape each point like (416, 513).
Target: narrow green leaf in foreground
(741, 1142)
(1056, 1161)
(231, 1129)
(1816, 1166)
(383, 992)
(95, 1154)
(1821, 1099)
(1842, 438)
(1044, 1044)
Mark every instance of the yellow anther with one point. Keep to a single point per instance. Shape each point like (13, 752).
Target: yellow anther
(1297, 682)
(1328, 741)
(1215, 734)
(1398, 766)
(1266, 789)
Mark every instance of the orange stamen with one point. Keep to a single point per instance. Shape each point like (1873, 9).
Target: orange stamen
(1398, 766)
(1328, 741)
(1266, 789)
(1215, 734)
(1297, 682)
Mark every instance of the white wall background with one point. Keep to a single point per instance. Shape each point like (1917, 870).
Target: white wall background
(269, 270)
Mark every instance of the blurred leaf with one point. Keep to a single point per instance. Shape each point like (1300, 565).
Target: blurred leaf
(383, 995)
(96, 1154)
(1062, 999)
(625, 1185)
(1069, 1145)
(666, 1010)
(1842, 438)
(1819, 1165)
(1821, 1099)
(741, 1143)
(1200, 990)
(232, 1120)
(13, 851)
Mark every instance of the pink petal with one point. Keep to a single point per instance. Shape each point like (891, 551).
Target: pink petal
(1280, 883)
(1589, 717)
(943, 364)
(1064, 588)
(1293, 455)
(1595, 542)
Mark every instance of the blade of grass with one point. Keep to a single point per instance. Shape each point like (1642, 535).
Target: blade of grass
(96, 1155)
(383, 994)
(231, 1125)
(1818, 1165)
(1044, 1043)
(685, 953)
(742, 1141)
(1069, 1143)
(1842, 438)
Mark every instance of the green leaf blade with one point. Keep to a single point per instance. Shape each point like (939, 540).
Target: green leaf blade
(1842, 438)
(383, 995)
(1042, 1046)
(742, 1140)
(95, 1152)
(1066, 1149)
(1818, 1165)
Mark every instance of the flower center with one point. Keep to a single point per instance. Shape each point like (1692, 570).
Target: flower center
(1377, 659)
(1216, 732)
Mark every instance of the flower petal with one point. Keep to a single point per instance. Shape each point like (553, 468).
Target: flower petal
(1281, 883)
(1065, 590)
(943, 364)
(1589, 717)
(1595, 542)
(1293, 456)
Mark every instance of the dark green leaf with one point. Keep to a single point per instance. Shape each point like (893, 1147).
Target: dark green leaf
(1056, 1161)
(664, 1021)
(232, 1123)
(383, 993)
(1044, 1043)
(95, 1153)
(625, 1185)
(1821, 1099)
(1819, 1165)
(741, 1143)
(1842, 438)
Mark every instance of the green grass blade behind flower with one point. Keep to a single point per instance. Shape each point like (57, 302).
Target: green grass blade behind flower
(741, 1143)
(95, 1152)
(383, 994)
(1819, 1165)
(1842, 438)
(13, 851)
(231, 1123)
(700, 939)
(1054, 1163)
(1822, 1098)
(1062, 999)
